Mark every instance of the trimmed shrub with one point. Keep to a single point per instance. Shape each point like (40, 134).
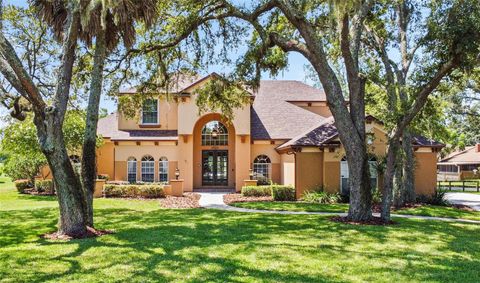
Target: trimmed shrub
(283, 193)
(103, 177)
(44, 186)
(22, 184)
(437, 198)
(134, 191)
(321, 197)
(257, 191)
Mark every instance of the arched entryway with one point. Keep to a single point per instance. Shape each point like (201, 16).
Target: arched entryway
(214, 153)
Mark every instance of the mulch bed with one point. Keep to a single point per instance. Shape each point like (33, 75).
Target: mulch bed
(374, 221)
(189, 200)
(231, 198)
(91, 233)
(36, 193)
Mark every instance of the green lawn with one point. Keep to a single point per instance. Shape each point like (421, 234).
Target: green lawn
(293, 206)
(439, 211)
(197, 245)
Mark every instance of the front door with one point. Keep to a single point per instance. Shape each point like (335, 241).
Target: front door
(214, 168)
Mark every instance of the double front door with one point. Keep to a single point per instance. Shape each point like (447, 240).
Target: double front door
(215, 168)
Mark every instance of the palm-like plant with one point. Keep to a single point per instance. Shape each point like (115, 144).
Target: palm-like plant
(107, 22)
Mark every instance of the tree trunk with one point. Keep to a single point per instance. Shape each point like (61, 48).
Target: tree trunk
(408, 168)
(89, 164)
(360, 208)
(69, 191)
(398, 188)
(392, 151)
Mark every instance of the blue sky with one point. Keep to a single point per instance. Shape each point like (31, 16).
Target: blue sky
(295, 71)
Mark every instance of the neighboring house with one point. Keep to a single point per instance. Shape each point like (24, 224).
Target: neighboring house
(460, 165)
(285, 135)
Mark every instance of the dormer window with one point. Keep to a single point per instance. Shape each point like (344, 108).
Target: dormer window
(150, 112)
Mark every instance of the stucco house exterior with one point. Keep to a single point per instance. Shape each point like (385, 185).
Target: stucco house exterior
(286, 135)
(460, 165)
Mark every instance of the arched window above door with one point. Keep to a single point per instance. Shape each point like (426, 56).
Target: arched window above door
(214, 133)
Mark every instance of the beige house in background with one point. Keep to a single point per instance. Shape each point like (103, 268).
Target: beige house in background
(286, 135)
(460, 165)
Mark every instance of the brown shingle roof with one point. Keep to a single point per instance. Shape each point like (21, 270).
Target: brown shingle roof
(108, 128)
(469, 155)
(274, 117)
(324, 132)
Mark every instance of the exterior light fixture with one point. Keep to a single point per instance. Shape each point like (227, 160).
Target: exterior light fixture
(250, 174)
(177, 173)
(215, 133)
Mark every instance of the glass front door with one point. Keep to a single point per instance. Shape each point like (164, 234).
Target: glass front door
(215, 168)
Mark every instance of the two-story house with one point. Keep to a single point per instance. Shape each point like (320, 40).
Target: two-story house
(285, 135)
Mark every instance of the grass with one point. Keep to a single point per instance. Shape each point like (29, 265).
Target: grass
(293, 206)
(197, 245)
(440, 211)
(427, 210)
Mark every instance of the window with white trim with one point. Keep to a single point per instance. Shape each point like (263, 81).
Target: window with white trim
(148, 169)
(150, 111)
(163, 170)
(262, 168)
(132, 170)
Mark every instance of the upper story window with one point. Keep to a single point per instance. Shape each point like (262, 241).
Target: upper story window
(150, 111)
(214, 133)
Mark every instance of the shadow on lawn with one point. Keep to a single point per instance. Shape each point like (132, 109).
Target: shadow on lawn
(217, 246)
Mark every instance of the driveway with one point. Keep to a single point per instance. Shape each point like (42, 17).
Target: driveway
(471, 200)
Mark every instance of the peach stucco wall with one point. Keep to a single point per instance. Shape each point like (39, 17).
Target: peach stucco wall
(425, 172)
(308, 172)
(105, 159)
(168, 117)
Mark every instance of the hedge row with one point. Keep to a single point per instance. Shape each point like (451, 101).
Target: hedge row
(278, 192)
(134, 191)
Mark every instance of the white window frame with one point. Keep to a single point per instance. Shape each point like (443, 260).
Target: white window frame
(134, 161)
(150, 161)
(267, 164)
(158, 114)
(163, 164)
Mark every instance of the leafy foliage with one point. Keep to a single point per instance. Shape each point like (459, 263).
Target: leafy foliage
(321, 197)
(437, 198)
(257, 191)
(44, 186)
(20, 166)
(22, 184)
(283, 193)
(134, 191)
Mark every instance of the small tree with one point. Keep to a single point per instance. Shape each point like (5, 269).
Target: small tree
(24, 167)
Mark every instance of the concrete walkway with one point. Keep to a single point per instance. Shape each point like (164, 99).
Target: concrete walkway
(215, 201)
(470, 200)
